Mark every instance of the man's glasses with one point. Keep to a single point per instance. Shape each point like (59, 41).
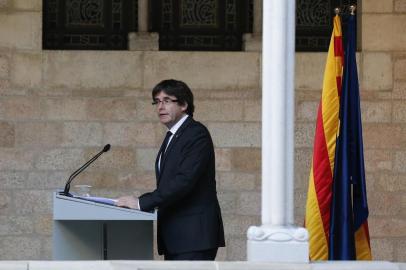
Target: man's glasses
(165, 101)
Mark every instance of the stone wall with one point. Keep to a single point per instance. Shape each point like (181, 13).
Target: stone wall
(58, 108)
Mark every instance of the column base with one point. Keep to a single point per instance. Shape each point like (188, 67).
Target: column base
(143, 41)
(278, 244)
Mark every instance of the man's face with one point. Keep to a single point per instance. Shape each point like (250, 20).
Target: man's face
(169, 111)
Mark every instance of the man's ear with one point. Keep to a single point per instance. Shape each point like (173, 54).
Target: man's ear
(184, 107)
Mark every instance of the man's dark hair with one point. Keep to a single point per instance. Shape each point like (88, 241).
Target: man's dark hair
(178, 89)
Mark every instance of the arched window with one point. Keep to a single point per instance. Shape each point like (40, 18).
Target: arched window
(88, 24)
(213, 25)
(314, 22)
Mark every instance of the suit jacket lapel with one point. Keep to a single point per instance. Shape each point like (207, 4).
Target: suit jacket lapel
(170, 147)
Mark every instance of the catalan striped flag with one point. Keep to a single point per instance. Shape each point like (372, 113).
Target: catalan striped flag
(317, 220)
(349, 235)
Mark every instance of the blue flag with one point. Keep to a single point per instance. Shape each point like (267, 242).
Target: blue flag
(349, 208)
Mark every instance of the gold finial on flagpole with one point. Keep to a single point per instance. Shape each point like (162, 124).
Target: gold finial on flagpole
(352, 9)
(337, 10)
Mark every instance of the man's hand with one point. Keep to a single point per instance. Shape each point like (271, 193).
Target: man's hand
(128, 201)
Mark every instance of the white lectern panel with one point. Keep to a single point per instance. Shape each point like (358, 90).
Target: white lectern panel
(85, 230)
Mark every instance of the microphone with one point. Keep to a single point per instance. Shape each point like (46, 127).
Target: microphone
(81, 169)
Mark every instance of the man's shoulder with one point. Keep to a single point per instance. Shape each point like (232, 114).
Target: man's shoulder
(197, 126)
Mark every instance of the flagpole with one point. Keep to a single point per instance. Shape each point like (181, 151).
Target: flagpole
(277, 239)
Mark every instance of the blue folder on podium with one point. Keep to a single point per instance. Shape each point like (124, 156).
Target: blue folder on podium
(85, 229)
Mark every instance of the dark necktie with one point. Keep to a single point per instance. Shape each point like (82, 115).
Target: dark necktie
(163, 148)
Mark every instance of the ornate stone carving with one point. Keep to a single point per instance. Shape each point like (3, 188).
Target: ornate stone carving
(278, 234)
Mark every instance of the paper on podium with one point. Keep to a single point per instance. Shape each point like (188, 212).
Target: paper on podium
(98, 199)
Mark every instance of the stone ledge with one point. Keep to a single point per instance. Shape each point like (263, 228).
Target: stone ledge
(145, 265)
(14, 265)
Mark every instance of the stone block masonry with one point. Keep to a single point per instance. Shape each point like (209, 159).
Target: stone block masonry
(58, 108)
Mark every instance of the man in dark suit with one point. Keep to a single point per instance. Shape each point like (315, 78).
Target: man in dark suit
(190, 226)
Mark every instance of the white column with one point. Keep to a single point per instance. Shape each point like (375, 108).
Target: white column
(277, 239)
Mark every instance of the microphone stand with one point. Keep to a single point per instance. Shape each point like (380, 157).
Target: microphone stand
(81, 169)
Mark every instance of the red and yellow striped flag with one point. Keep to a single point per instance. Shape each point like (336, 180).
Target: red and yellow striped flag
(317, 220)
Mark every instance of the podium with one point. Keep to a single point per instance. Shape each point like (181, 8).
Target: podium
(86, 230)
